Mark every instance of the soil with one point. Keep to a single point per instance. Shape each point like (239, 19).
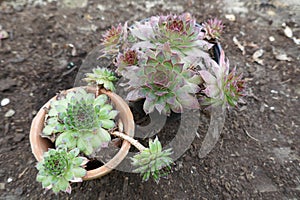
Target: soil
(257, 155)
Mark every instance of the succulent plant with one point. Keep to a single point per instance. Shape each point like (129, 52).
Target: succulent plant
(153, 161)
(213, 28)
(103, 77)
(80, 121)
(164, 82)
(59, 167)
(111, 37)
(181, 32)
(129, 57)
(222, 88)
(114, 38)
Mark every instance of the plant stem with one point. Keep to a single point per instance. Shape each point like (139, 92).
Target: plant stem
(98, 90)
(131, 140)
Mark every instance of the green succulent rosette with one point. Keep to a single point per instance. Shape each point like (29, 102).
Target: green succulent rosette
(80, 120)
(59, 167)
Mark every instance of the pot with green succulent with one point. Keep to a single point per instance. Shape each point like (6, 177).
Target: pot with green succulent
(170, 65)
(72, 128)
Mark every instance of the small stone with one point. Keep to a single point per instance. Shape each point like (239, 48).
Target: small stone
(272, 39)
(2, 172)
(9, 113)
(230, 17)
(101, 7)
(262, 108)
(19, 191)
(6, 84)
(34, 112)
(75, 3)
(18, 137)
(288, 32)
(5, 101)
(3, 34)
(274, 91)
(2, 186)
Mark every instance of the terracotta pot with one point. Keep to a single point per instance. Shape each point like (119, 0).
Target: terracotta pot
(40, 145)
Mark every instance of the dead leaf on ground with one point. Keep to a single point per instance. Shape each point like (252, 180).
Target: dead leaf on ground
(256, 56)
(252, 44)
(240, 46)
(281, 55)
(296, 40)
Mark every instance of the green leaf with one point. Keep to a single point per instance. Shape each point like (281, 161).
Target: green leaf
(100, 100)
(74, 152)
(52, 112)
(40, 178)
(63, 184)
(48, 130)
(69, 175)
(60, 108)
(77, 161)
(107, 123)
(46, 181)
(84, 146)
(146, 176)
(66, 139)
(100, 136)
(79, 172)
(112, 114)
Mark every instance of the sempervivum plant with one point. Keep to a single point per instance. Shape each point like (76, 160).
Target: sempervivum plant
(180, 31)
(149, 162)
(221, 87)
(163, 80)
(80, 120)
(59, 167)
(153, 161)
(102, 77)
(213, 28)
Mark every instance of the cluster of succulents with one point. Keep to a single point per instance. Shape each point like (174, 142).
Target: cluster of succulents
(59, 167)
(80, 120)
(165, 59)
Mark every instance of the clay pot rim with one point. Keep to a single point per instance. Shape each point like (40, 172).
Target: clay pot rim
(38, 143)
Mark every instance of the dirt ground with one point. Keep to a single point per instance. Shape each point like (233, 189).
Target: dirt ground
(257, 156)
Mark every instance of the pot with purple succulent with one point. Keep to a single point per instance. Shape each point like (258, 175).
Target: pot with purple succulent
(170, 65)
